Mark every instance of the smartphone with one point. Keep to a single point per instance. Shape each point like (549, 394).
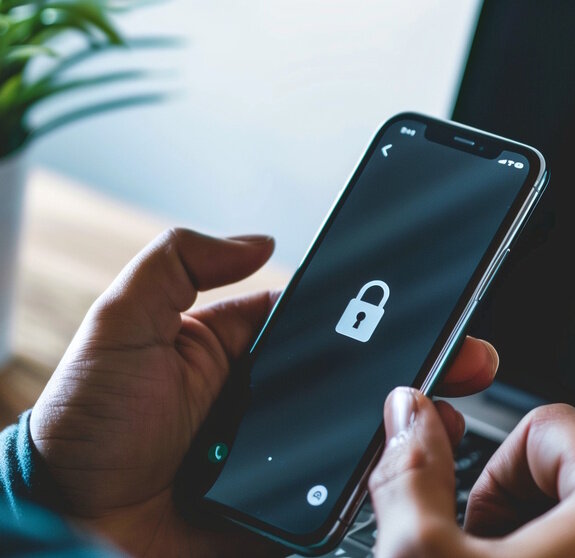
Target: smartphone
(381, 299)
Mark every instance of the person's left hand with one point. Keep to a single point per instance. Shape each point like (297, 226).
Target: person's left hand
(135, 385)
(121, 410)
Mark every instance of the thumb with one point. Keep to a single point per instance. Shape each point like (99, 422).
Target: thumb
(413, 486)
(162, 281)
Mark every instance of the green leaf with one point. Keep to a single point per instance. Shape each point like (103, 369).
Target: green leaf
(50, 20)
(53, 22)
(39, 92)
(122, 6)
(95, 50)
(92, 110)
(25, 52)
(5, 23)
(157, 41)
(9, 91)
(27, 28)
(18, 29)
(7, 6)
(92, 13)
(47, 34)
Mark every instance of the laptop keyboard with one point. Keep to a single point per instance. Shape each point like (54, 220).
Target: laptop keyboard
(470, 457)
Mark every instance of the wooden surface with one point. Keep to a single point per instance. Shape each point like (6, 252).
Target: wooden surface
(74, 242)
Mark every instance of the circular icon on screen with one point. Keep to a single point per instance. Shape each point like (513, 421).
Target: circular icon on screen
(218, 452)
(317, 495)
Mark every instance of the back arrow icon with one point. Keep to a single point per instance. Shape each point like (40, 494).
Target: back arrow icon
(386, 148)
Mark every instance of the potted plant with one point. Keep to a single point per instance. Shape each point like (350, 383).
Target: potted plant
(33, 69)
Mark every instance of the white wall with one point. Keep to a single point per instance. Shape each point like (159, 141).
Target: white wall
(277, 100)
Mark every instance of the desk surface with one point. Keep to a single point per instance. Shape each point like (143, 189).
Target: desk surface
(74, 242)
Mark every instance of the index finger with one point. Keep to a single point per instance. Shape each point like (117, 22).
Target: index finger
(533, 469)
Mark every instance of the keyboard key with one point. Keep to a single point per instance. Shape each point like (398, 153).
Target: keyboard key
(366, 535)
(468, 461)
(470, 458)
(365, 514)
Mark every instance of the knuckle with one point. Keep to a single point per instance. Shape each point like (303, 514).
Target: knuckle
(548, 420)
(555, 411)
(431, 540)
(395, 463)
(169, 239)
(173, 235)
(163, 249)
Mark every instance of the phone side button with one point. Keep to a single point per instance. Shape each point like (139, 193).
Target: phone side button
(494, 269)
(542, 184)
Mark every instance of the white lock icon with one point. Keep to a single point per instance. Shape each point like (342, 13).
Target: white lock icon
(360, 318)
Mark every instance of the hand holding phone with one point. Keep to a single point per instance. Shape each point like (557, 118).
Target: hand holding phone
(381, 299)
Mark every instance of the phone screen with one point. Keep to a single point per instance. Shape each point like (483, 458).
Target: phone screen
(362, 316)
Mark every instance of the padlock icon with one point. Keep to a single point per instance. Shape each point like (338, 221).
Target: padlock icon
(360, 318)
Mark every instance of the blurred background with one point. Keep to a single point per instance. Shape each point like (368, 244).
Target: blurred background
(271, 107)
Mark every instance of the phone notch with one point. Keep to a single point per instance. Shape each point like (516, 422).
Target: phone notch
(464, 140)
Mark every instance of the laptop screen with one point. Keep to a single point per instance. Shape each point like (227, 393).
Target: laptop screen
(519, 82)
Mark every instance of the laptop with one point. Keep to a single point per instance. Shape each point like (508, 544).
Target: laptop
(518, 82)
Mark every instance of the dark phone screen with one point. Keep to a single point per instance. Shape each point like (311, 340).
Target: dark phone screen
(419, 216)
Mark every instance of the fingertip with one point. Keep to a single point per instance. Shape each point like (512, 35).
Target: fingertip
(260, 246)
(213, 262)
(473, 369)
(400, 411)
(262, 242)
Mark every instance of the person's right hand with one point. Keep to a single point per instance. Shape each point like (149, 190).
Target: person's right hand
(523, 504)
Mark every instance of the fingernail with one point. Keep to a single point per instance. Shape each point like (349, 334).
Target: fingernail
(252, 238)
(403, 406)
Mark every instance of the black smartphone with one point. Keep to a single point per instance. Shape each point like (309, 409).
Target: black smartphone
(381, 299)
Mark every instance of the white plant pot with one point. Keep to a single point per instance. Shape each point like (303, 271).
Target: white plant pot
(12, 183)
